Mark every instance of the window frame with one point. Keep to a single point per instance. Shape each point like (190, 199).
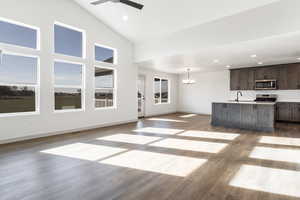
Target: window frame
(36, 86)
(82, 87)
(84, 42)
(115, 54)
(169, 90)
(114, 89)
(38, 35)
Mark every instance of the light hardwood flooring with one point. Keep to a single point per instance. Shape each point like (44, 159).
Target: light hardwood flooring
(170, 157)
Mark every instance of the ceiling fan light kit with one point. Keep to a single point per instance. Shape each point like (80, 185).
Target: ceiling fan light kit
(126, 2)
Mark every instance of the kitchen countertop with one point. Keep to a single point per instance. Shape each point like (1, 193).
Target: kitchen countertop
(248, 102)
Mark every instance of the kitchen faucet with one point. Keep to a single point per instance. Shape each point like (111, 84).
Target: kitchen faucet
(237, 95)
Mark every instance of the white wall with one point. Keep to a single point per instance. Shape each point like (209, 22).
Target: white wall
(157, 109)
(209, 87)
(215, 86)
(42, 14)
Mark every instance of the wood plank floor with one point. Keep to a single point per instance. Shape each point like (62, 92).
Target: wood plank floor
(171, 157)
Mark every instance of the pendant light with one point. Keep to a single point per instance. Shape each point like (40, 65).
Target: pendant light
(188, 80)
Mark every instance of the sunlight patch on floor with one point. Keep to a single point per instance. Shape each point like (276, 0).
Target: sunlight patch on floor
(156, 162)
(275, 154)
(128, 138)
(210, 135)
(277, 181)
(280, 140)
(190, 145)
(188, 116)
(84, 151)
(166, 120)
(164, 131)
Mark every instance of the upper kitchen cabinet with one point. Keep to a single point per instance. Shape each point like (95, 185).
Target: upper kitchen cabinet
(235, 79)
(242, 79)
(282, 81)
(293, 76)
(267, 73)
(286, 75)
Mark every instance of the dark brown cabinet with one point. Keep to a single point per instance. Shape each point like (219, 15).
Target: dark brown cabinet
(234, 79)
(287, 76)
(244, 116)
(282, 81)
(288, 111)
(242, 79)
(293, 76)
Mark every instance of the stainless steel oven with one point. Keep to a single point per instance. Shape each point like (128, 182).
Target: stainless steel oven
(266, 84)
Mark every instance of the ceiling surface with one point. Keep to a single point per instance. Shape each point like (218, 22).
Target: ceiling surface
(172, 35)
(163, 17)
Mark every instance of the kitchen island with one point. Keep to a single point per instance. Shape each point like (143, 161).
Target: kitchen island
(251, 115)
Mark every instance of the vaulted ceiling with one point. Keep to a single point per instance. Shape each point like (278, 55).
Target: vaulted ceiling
(170, 35)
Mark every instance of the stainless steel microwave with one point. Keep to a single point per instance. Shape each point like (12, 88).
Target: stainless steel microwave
(266, 84)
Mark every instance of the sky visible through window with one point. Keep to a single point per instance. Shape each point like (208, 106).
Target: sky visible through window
(18, 69)
(18, 35)
(104, 78)
(68, 42)
(104, 54)
(68, 74)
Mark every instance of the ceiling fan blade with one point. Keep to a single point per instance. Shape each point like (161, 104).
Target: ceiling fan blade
(132, 4)
(99, 2)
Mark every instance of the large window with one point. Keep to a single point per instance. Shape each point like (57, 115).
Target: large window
(18, 84)
(68, 85)
(104, 87)
(161, 91)
(69, 41)
(105, 54)
(17, 34)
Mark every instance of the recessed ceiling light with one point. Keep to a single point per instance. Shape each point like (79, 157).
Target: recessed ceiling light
(228, 66)
(298, 58)
(125, 18)
(216, 61)
(260, 63)
(253, 56)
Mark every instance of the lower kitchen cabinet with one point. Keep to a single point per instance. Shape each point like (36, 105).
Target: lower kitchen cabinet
(288, 111)
(257, 117)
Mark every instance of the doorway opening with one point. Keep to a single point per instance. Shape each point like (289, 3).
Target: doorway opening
(141, 96)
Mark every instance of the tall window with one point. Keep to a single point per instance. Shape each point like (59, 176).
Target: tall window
(19, 73)
(104, 87)
(161, 91)
(69, 41)
(105, 54)
(68, 85)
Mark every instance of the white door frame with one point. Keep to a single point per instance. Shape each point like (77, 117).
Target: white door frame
(141, 101)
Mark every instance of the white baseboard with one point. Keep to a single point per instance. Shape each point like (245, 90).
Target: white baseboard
(30, 137)
(198, 113)
(160, 114)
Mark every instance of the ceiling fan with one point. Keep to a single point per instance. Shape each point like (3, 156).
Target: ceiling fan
(127, 2)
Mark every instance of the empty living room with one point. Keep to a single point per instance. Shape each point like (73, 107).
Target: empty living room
(149, 100)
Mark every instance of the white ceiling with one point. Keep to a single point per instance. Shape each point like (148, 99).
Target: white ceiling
(171, 35)
(269, 51)
(163, 17)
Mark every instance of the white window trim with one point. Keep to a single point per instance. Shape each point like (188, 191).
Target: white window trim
(107, 47)
(36, 87)
(84, 43)
(169, 90)
(82, 86)
(38, 35)
(114, 89)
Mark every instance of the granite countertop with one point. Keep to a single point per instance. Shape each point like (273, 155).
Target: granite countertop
(248, 102)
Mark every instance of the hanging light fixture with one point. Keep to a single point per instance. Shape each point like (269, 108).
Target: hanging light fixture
(188, 80)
